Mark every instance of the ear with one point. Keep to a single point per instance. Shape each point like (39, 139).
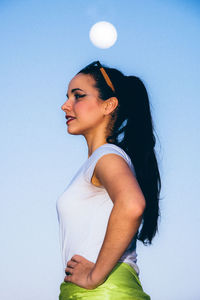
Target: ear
(110, 105)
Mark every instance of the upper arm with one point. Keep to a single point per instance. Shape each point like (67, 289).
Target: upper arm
(115, 175)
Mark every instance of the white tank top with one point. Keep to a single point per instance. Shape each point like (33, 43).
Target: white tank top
(83, 212)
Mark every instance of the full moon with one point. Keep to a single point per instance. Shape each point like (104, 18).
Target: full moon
(103, 35)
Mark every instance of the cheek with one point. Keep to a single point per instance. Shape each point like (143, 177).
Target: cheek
(85, 111)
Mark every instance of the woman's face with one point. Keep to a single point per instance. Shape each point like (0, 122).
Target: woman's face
(84, 105)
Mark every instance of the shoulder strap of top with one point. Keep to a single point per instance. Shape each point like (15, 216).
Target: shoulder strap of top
(101, 151)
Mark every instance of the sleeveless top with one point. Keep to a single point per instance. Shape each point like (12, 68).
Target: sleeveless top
(83, 212)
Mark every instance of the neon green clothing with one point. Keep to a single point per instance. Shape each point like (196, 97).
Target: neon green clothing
(122, 284)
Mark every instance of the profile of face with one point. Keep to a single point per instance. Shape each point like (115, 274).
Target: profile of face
(89, 111)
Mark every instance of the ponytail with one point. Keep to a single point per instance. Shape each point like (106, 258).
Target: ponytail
(133, 132)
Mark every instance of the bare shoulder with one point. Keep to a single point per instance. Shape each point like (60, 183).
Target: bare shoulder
(114, 173)
(109, 164)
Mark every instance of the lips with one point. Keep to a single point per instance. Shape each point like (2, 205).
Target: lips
(70, 119)
(68, 116)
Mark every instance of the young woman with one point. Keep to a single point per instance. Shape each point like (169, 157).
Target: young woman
(113, 200)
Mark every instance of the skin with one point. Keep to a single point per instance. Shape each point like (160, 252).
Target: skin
(92, 114)
(113, 173)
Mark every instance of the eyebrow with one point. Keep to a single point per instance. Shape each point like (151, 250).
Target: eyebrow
(73, 90)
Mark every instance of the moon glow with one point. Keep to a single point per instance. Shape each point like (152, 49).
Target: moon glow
(103, 35)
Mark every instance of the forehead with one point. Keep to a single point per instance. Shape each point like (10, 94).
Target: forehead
(82, 81)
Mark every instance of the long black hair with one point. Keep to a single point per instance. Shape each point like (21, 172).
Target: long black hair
(133, 131)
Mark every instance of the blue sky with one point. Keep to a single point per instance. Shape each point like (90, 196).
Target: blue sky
(43, 45)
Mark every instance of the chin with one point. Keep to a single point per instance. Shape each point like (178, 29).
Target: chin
(73, 132)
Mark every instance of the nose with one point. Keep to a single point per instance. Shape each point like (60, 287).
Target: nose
(66, 105)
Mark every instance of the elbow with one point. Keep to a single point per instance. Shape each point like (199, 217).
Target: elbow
(138, 208)
(131, 206)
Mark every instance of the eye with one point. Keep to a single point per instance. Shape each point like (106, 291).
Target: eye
(77, 96)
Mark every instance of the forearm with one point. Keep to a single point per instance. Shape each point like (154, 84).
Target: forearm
(122, 226)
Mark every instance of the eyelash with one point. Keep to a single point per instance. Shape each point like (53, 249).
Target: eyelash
(78, 96)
